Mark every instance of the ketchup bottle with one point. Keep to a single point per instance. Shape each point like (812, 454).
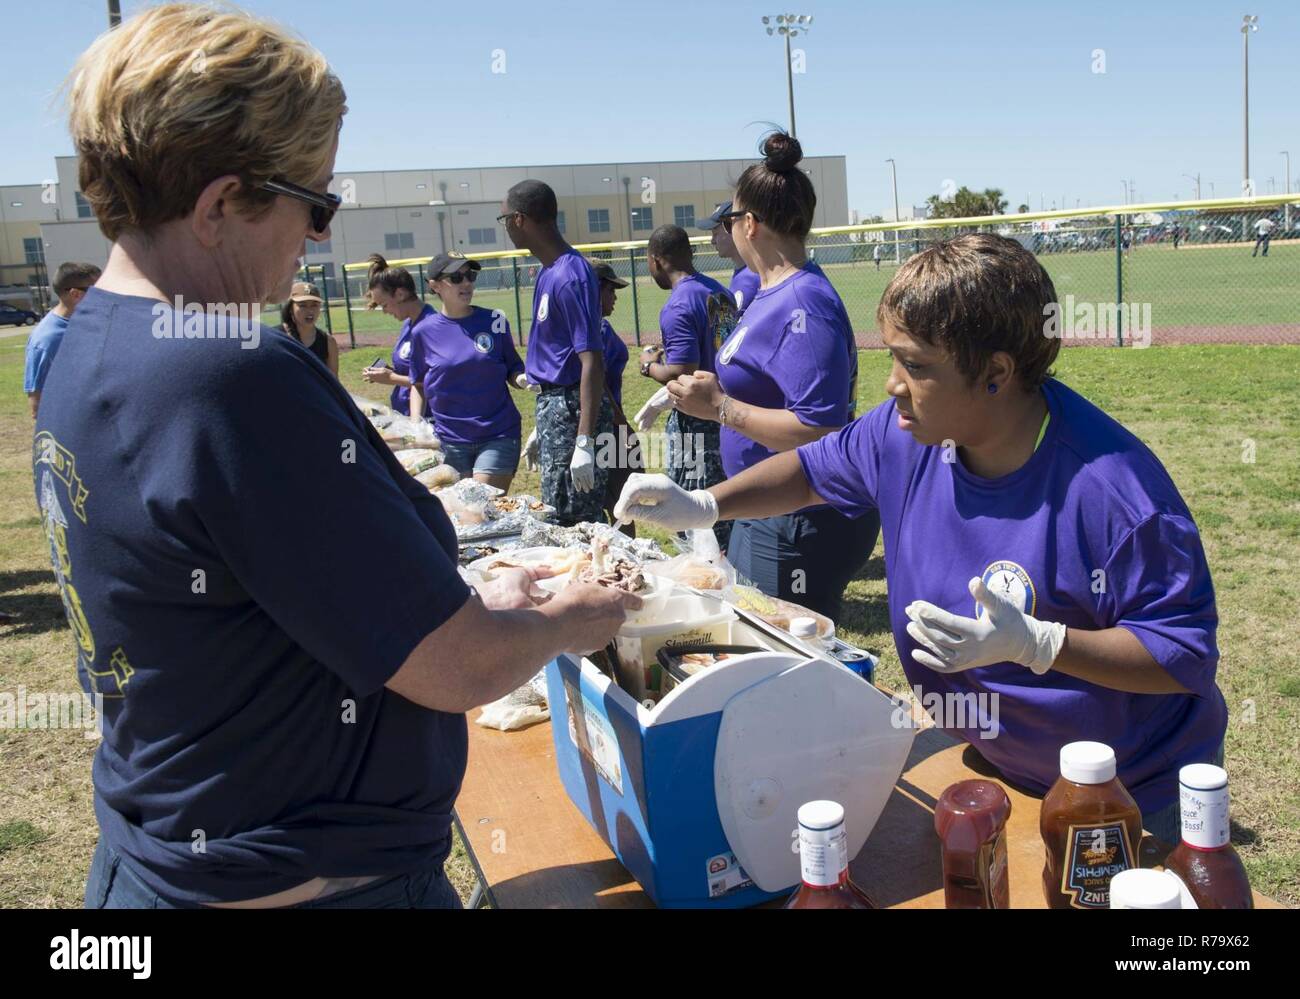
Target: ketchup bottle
(971, 820)
(1206, 865)
(824, 858)
(1091, 828)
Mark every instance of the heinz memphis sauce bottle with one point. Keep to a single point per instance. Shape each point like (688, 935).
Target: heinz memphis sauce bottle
(1206, 865)
(824, 858)
(1091, 828)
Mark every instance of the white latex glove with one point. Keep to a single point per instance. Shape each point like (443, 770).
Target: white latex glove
(522, 382)
(1004, 634)
(647, 414)
(657, 499)
(532, 451)
(582, 468)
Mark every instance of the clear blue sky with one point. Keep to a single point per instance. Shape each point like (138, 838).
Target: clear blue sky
(987, 95)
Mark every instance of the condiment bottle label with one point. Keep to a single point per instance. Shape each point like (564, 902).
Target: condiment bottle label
(1205, 816)
(823, 855)
(1094, 855)
(993, 862)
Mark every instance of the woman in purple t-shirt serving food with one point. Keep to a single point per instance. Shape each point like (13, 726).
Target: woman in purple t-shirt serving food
(1041, 563)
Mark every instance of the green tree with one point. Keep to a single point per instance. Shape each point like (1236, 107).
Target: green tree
(966, 203)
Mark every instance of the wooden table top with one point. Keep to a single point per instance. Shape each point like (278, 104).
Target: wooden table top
(536, 850)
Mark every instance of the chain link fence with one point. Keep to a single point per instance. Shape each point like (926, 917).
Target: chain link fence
(1221, 271)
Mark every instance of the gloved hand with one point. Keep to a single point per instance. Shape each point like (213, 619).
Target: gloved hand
(647, 414)
(532, 450)
(657, 499)
(1004, 634)
(522, 382)
(582, 467)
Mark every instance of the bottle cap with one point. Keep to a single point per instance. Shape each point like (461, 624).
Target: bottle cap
(1087, 762)
(821, 814)
(803, 627)
(1138, 888)
(1203, 777)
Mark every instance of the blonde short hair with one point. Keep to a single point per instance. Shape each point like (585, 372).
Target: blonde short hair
(181, 94)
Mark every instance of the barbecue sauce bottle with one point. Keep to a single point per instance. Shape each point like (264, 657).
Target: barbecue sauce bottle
(1091, 828)
(971, 819)
(824, 859)
(1204, 862)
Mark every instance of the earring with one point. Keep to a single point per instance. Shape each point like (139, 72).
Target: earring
(993, 388)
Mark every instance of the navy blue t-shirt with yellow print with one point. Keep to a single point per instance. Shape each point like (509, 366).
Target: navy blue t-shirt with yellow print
(242, 578)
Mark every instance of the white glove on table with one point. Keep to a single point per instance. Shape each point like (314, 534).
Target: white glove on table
(532, 451)
(647, 414)
(582, 468)
(1004, 634)
(657, 499)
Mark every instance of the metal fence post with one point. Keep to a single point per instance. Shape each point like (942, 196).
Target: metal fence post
(325, 294)
(347, 304)
(519, 309)
(636, 305)
(1119, 280)
(424, 293)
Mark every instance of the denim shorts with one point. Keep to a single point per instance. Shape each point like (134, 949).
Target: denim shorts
(499, 456)
(111, 884)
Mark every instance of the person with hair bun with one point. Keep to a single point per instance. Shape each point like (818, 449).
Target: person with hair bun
(1039, 558)
(392, 289)
(786, 376)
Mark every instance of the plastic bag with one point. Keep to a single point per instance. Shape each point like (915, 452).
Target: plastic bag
(438, 477)
(702, 568)
(775, 611)
(417, 460)
(404, 433)
(519, 708)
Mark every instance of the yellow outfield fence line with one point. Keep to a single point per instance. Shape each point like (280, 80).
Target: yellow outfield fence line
(1257, 203)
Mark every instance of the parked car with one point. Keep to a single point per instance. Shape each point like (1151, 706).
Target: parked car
(11, 316)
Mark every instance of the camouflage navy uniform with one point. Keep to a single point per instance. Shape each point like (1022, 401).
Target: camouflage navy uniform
(557, 433)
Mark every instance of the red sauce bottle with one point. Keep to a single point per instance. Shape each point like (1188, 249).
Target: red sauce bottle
(971, 820)
(1204, 862)
(1091, 829)
(824, 859)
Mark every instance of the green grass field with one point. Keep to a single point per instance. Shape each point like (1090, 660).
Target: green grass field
(1219, 287)
(1197, 407)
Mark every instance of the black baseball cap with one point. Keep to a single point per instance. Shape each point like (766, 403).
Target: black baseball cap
(606, 273)
(449, 263)
(714, 220)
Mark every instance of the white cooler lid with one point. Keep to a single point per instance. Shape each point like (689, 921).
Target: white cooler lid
(815, 731)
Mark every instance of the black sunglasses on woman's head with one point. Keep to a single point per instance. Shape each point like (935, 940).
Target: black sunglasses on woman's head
(323, 206)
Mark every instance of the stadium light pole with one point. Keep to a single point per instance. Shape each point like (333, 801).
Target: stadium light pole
(893, 173)
(1197, 181)
(1125, 183)
(788, 26)
(1249, 24)
(114, 13)
(1286, 209)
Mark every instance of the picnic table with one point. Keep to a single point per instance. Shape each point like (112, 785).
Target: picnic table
(532, 848)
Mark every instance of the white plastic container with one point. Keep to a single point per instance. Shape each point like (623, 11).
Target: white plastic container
(686, 619)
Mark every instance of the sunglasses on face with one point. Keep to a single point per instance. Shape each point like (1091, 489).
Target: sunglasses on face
(728, 218)
(323, 206)
(468, 274)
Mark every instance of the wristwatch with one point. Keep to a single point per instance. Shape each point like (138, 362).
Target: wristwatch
(583, 441)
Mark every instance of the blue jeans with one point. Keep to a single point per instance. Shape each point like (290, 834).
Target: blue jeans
(111, 884)
(499, 456)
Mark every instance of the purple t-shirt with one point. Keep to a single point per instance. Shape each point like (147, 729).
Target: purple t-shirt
(400, 399)
(615, 360)
(566, 320)
(462, 366)
(792, 350)
(1090, 532)
(744, 286)
(699, 314)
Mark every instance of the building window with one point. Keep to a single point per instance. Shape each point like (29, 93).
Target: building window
(32, 249)
(319, 249)
(83, 206)
(399, 241)
(482, 237)
(598, 219)
(15, 204)
(643, 219)
(559, 221)
(327, 269)
(684, 216)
